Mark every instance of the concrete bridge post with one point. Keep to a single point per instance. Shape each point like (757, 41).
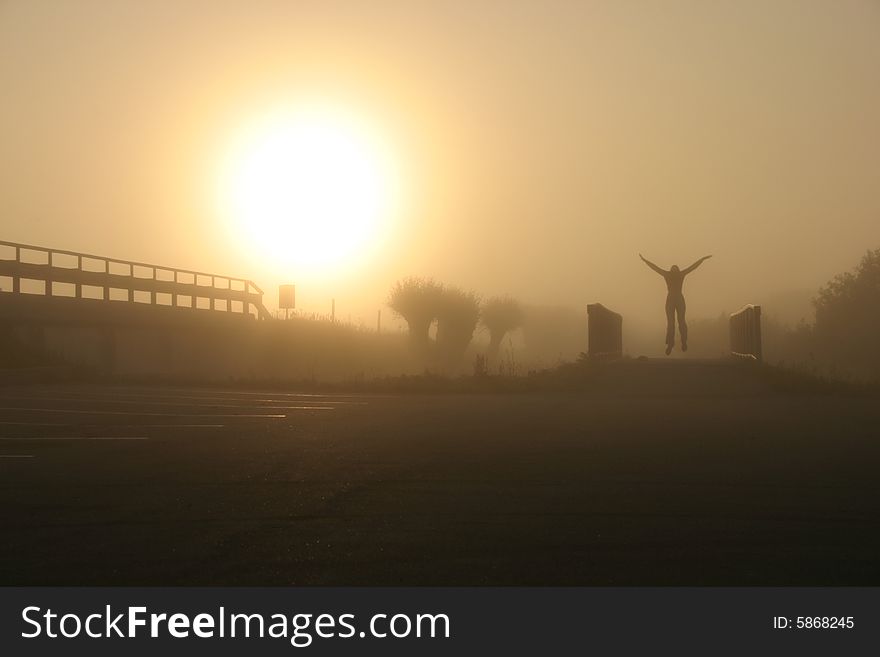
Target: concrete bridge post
(16, 281)
(105, 291)
(48, 282)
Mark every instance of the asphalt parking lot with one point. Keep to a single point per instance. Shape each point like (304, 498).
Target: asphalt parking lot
(175, 485)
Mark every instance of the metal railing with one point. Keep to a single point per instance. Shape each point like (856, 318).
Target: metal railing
(745, 333)
(605, 332)
(86, 273)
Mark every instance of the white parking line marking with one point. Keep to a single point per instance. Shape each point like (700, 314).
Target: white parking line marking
(271, 393)
(157, 426)
(84, 412)
(218, 394)
(113, 426)
(16, 456)
(145, 402)
(34, 424)
(74, 438)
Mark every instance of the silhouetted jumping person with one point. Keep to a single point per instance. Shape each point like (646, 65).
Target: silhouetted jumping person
(675, 300)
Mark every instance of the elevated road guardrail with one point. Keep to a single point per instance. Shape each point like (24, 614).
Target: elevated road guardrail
(26, 269)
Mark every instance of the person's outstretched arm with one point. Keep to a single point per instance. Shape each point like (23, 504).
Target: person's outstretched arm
(695, 265)
(652, 265)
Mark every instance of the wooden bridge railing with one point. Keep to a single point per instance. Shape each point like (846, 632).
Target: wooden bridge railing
(745, 333)
(605, 332)
(82, 270)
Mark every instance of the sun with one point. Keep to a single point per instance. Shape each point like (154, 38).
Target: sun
(310, 188)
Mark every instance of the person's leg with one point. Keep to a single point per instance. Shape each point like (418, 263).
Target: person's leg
(670, 325)
(682, 323)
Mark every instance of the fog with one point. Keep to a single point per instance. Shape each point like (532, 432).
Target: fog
(542, 146)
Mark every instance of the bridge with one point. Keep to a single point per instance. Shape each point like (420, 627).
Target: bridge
(123, 316)
(113, 316)
(37, 272)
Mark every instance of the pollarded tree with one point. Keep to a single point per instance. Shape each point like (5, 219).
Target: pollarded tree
(500, 315)
(457, 318)
(417, 300)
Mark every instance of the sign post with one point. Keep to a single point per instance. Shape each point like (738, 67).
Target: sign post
(287, 299)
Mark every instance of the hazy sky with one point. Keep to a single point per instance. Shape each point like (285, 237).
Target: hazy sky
(541, 145)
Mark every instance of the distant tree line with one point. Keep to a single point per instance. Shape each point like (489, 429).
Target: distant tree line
(842, 341)
(846, 332)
